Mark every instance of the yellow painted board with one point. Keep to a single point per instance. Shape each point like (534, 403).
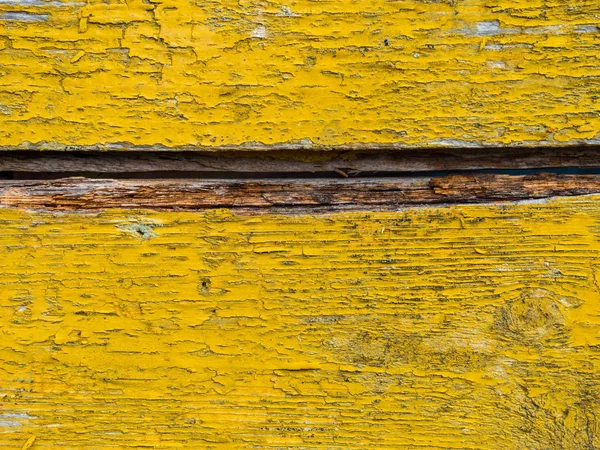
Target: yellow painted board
(466, 327)
(300, 74)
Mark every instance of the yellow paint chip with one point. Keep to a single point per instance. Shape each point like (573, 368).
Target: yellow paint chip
(62, 335)
(29, 443)
(78, 56)
(83, 24)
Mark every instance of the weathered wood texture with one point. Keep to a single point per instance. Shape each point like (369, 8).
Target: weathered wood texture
(449, 328)
(297, 196)
(301, 74)
(40, 164)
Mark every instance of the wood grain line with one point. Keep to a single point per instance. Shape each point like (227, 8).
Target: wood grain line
(298, 196)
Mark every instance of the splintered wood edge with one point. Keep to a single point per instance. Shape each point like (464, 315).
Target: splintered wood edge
(290, 196)
(284, 161)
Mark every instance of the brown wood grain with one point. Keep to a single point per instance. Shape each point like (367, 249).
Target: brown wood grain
(271, 196)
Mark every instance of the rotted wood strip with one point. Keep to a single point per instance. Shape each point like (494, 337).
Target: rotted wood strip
(462, 328)
(179, 74)
(350, 163)
(298, 196)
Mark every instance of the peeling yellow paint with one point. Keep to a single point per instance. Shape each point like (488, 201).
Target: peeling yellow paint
(78, 56)
(29, 443)
(468, 327)
(179, 73)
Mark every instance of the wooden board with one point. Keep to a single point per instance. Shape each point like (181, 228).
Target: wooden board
(257, 197)
(301, 74)
(467, 327)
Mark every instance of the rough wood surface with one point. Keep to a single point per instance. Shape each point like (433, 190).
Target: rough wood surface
(466, 328)
(33, 163)
(121, 74)
(297, 196)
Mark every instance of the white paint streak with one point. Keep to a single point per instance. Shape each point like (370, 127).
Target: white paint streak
(496, 64)
(553, 29)
(587, 29)
(24, 17)
(287, 12)
(9, 424)
(53, 4)
(259, 32)
(16, 416)
(488, 28)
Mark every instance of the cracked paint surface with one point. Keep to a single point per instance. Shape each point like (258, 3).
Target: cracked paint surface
(179, 73)
(442, 328)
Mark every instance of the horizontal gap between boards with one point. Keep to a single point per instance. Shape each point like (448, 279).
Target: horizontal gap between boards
(295, 164)
(174, 175)
(293, 181)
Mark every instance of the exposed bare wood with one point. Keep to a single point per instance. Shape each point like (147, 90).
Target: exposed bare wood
(289, 195)
(350, 162)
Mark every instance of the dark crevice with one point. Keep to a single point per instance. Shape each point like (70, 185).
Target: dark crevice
(296, 164)
(164, 175)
